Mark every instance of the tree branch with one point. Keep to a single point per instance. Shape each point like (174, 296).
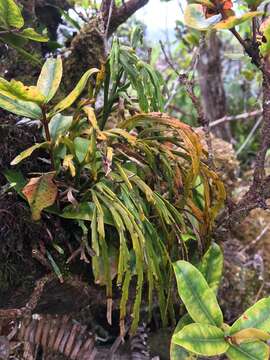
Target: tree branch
(89, 47)
(122, 13)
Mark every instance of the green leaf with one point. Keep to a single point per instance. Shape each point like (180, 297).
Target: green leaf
(81, 147)
(31, 34)
(177, 352)
(232, 21)
(14, 39)
(212, 266)
(201, 339)
(16, 42)
(16, 179)
(10, 14)
(50, 77)
(26, 153)
(253, 4)
(75, 93)
(40, 192)
(256, 350)
(69, 19)
(257, 316)
(199, 299)
(194, 17)
(19, 107)
(84, 211)
(59, 125)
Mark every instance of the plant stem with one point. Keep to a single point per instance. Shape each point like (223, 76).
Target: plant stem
(254, 31)
(47, 134)
(10, 31)
(245, 45)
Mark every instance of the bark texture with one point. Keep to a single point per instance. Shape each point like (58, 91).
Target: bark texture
(211, 84)
(88, 48)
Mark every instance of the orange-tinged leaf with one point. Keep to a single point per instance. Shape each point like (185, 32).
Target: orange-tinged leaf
(232, 21)
(227, 4)
(40, 192)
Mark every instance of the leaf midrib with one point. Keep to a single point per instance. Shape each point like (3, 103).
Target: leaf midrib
(194, 292)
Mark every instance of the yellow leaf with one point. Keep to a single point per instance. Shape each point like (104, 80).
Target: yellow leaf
(21, 91)
(68, 163)
(91, 116)
(232, 21)
(249, 334)
(40, 192)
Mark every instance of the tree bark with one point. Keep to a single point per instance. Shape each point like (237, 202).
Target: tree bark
(211, 84)
(88, 48)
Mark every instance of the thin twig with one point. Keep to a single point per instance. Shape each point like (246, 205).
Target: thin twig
(250, 135)
(109, 19)
(236, 117)
(255, 241)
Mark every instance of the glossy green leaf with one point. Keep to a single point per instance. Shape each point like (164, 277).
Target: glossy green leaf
(26, 153)
(75, 93)
(198, 298)
(40, 192)
(177, 352)
(194, 17)
(31, 34)
(16, 179)
(81, 147)
(232, 21)
(50, 77)
(202, 339)
(84, 211)
(19, 107)
(212, 266)
(59, 125)
(257, 316)
(10, 14)
(256, 350)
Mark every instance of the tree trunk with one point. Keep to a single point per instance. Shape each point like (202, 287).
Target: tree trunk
(211, 84)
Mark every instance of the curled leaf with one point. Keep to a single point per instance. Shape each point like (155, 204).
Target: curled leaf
(68, 163)
(31, 34)
(69, 100)
(194, 17)
(26, 153)
(249, 334)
